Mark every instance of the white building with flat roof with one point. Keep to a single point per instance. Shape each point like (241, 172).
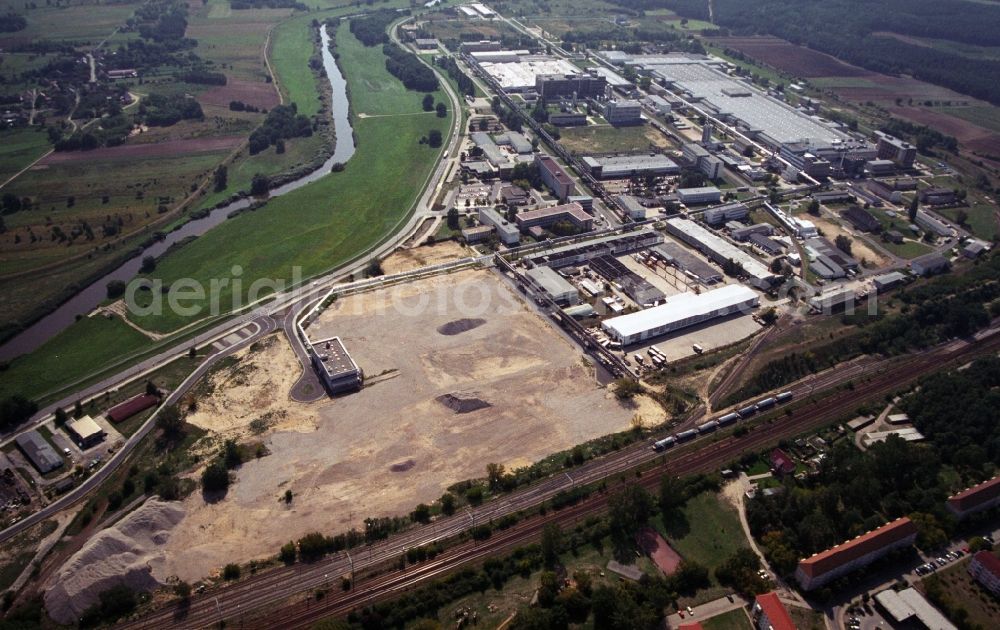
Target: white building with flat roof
(680, 311)
(720, 250)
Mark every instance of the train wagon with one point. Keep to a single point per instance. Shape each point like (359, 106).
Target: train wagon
(664, 444)
(708, 427)
(783, 397)
(729, 418)
(686, 435)
(746, 412)
(765, 404)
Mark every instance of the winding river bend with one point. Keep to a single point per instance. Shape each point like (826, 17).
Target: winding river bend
(90, 297)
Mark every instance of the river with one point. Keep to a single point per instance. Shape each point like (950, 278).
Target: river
(90, 297)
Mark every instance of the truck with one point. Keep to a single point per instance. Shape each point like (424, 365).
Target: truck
(697, 348)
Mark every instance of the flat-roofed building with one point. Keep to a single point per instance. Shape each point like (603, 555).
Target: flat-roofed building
(635, 210)
(623, 112)
(38, 451)
(699, 195)
(568, 119)
(493, 154)
(694, 153)
(743, 233)
(477, 233)
(514, 196)
(887, 281)
(929, 264)
(680, 311)
(483, 45)
(711, 167)
(557, 288)
(658, 104)
(507, 231)
(337, 370)
(891, 148)
(85, 432)
(861, 219)
(985, 569)
(555, 177)
(937, 196)
(552, 86)
(720, 250)
(516, 141)
(932, 224)
(878, 168)
(770, 614)
(977, 498)
(623, 166)
(767, 245)
(824, 567)
(613, 245)
(426, 44)
(546, 217)
(691, 265)
(730, 212)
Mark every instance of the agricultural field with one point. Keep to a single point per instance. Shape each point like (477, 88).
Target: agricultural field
(337, 217)
(985, 116)
(74, 22)
(609, 139)
(19, 148)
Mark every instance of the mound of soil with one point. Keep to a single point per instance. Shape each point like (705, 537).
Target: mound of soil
(403, 466)
(459, 326)
(462, 403)
(119, 555)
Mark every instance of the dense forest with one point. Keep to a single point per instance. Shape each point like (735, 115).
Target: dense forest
(408, 69)
(844, 29)
(162, 110)
(12, 22)
(370, 29)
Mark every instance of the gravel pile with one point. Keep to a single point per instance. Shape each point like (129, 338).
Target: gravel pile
(462, 403)
(460, 326)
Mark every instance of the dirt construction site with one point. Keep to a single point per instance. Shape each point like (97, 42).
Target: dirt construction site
(458, 373)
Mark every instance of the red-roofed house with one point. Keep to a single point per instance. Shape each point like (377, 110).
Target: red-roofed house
(131, 407)
(826, 566)
(771, 614)
(781, 462)
(975, 499)
(985, 567)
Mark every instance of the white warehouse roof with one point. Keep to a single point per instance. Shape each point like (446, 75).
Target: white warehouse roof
(679, 308)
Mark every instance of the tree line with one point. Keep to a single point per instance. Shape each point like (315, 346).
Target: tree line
(406, 67)
(370, 29)
(283, 122)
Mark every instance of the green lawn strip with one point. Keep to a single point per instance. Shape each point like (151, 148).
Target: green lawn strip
(336, 218)
(19, 148)
(706, 531)
(82, 348)
(981, 222)
(732, 620)
(986, 116)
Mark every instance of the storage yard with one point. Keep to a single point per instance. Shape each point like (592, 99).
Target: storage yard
(472, 376)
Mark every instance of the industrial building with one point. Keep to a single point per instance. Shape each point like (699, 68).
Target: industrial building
(861, 219)
(929, 264)
(623, 166)
(887, 281)
(711, 167)
(879, 168)
(632, 284)
(908, 605)
(829, 262)
(516, 141)
(742, 234)
(38, 451)
(624, 112)
(680, 311)
(720, 250)
(483, 45)
(767, 245)
(493, 154)
(735, 211)
(507, 231)
(705, 83)
(575, 85)
(555, 177)
(700, 195)
(937, 196)
(546, 217)
(635, 210)
(833, 196)
(891, 148)
(694, 153)
(557, 288)
(979, 497)
(692, 266)
(824, 567)
(514, 196)
(770, 614)
(477, 233)
(336, 369)
(518, 70)
(658, 104)
(568, 119)
(614, 245)
(985, 569)
(85, 432)
(931, 224)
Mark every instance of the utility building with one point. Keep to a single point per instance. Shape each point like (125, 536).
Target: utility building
(680, 311)
(85, 432)
(557, 288)
(39, 452)
(336, 368)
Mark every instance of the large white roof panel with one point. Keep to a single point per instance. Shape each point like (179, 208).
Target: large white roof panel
(680, 307)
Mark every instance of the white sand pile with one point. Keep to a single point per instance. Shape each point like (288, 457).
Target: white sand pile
(121, 554)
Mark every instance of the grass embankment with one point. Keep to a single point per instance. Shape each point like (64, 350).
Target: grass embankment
(338, 217)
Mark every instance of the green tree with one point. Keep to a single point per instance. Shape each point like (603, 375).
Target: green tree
(434, 138)
(672, 495)
(442, 110)
(626, 388)
(428, 102)
(182, 590)
(447, 504)
(220, 178)
(453, 216)
(148, 264)
(843, 243)
(231, 572)
(494, 475)
(215, 478)
(231, 454)
(287, 553)
(288, 497)
(813, 208)
(170, 422)
(551, 543)
(259, 185)
(628, 510)
(421, 514)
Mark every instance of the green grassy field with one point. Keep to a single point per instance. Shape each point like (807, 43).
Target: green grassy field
(87, 345)
(76, 23)
(981, 222)
(985, 116)
(906, 249)
(732, 620)
(291, 48)
(707, 531)
(329, 222)
(19, 148)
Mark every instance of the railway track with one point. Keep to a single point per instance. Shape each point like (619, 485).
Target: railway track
(238, 601)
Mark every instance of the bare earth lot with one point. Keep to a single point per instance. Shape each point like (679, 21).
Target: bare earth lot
(407, 259)
(394, 444)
